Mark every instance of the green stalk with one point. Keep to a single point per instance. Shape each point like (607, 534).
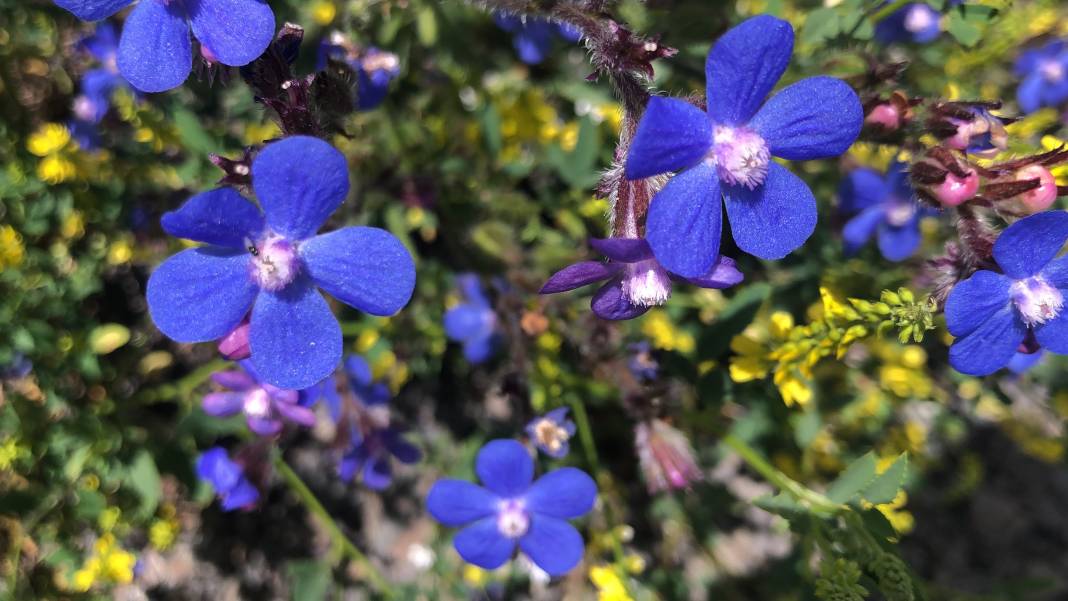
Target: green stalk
(340, 541)
(815, 501)
(887, 10)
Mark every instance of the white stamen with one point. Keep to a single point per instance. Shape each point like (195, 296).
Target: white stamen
(1036, 300)
(274, 262)
(257, 403)
(740, 155)
(646, 284)
(512, 518)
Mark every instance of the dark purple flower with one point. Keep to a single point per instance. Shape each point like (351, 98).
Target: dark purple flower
(228, 479)
(533, 37)
(155, 53)
(374, 68)
(552, 432)
(1045, 76)
(512, 510)
(473, 323)
(914, 22)
(636, 280)
(992, 314)
(272, 262)
(883, 204)
(266, 407)
(724, 155)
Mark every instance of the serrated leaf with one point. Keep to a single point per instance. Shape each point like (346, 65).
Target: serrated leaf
(884, 488)
(854, 479)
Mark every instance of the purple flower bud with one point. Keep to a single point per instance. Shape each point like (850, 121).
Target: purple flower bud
(234, 346)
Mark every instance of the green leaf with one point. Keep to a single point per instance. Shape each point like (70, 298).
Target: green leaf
(193, 136)
(821, 24)
(806, 426)
(884, 488)
(854, 479)
(781, 504)
(309, 580)
(426, 26)
(143, 477)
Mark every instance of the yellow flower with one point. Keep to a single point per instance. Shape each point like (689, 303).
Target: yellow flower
(609, 585)
(163, 532)
(120, 252)
(85, 578)
(323, 12)
(11, 249)
(56, 169)
(474, 575)
(73, 225)
(119, 565)
(49, 139)
(792, 388)
(664, 335)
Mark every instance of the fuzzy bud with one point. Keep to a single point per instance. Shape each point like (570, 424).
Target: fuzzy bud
(667, 459)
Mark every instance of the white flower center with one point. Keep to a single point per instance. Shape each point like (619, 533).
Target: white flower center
(1052, 70)
(274, 262)
(257, 403)
(900, 212)
(740, 155)
(550, 435)
(646, 283)
(1036, 300)
(513, 520)
(919, 18)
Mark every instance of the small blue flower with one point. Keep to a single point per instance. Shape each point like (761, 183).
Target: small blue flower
(228, 479)
(473, 322)
(533, 37)
(1045, 76)
(726, 152)
(883, 204)
(96, 87)
(914, 22)
(155, 53)
(552, 432)
(266, 407)
(636, 280)
(373, 440)
(374, 68)
(511, 510)
(991, 314)
(272, 262)
(641, 362)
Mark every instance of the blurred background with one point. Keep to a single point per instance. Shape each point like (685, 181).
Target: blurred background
(482, 155)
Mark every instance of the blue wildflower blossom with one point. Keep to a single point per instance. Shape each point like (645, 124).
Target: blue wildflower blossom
(155, 53)
(641, 363)
(473, 323)
(375, 69)
(510, 510)
(533, 37)
(272, 261)
(552, 432)
(992, 314)
(884, 206)
(914, 22)
(636, 280)
(96, 87)
(726, 152)
(227, 478)
(373, 440)
(267, 408)
(1044, 73)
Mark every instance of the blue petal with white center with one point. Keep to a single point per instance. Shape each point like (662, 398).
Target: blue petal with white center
(201, 294)
(363, 267)
(684, 222)
(457, 502)
(505, 467)
(482, 544)
(814, 118)
(553, 544)
(975, 300)
(1026, 246)
(221, 217)
(299, 181)
(989, 347)
(775, 219)
(563, 493)
(672, 135)
(743, 67)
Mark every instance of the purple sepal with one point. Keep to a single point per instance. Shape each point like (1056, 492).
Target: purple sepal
(624, 250)
(577, 275)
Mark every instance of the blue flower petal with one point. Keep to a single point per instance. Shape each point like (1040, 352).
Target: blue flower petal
(93, 10)
(975, 300)
(624, 250)
(237, 32)
(723, 274)
(1053, 335)
(456, 502)
(553, 545)
(471, 287)
(377, 473)
(242, 495)
(215, 466)
(567, 492)
(815, 118)
(1021, 362)
(364, 267)
(860, 228)
(609, 302)
(1056, 273)
(744, 66)
(1055, 92)
(201, 294)
(861, 189)
(358, 370)
(1029, 94)
(404, 451)
(898, 243)
(505, 467)
(221, 217)
(479, 350)
(773, 220)
(577, 275)
(104, 42)
(672, 135)
(223, 404)
(155, 54)
(483, 545)
(685, 222)
(990, 346)
(468, 322)
(533, 42)
(1026, 246)
(295, 339)
(300, 181)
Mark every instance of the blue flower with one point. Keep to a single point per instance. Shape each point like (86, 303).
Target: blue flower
(883, 204)
(272, 262)
(228, 478)
(991, 314)
(96, 87)
(727, 151)
(641, 362)
(636, 280)
(374, 68)
(510, 510)
(266, 407)
(473, 322)
(373, 441)
(533, 37)
(551, 432)
(1045, 76)
(155, 53)
(914, 22)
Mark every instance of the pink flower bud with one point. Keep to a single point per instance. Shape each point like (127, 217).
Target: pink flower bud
(885, 115)
(208, 55)
(955, 190)
(1043, 196)
(234, 346)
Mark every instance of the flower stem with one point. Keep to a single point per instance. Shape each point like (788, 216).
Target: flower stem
(817, 502)
(888, 10)
(340, 541)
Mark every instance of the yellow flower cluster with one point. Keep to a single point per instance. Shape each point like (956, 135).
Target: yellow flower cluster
(52, 143)
(164, 530)
(109, 563)
(609, 585)
(11, 249)
(664, 334)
